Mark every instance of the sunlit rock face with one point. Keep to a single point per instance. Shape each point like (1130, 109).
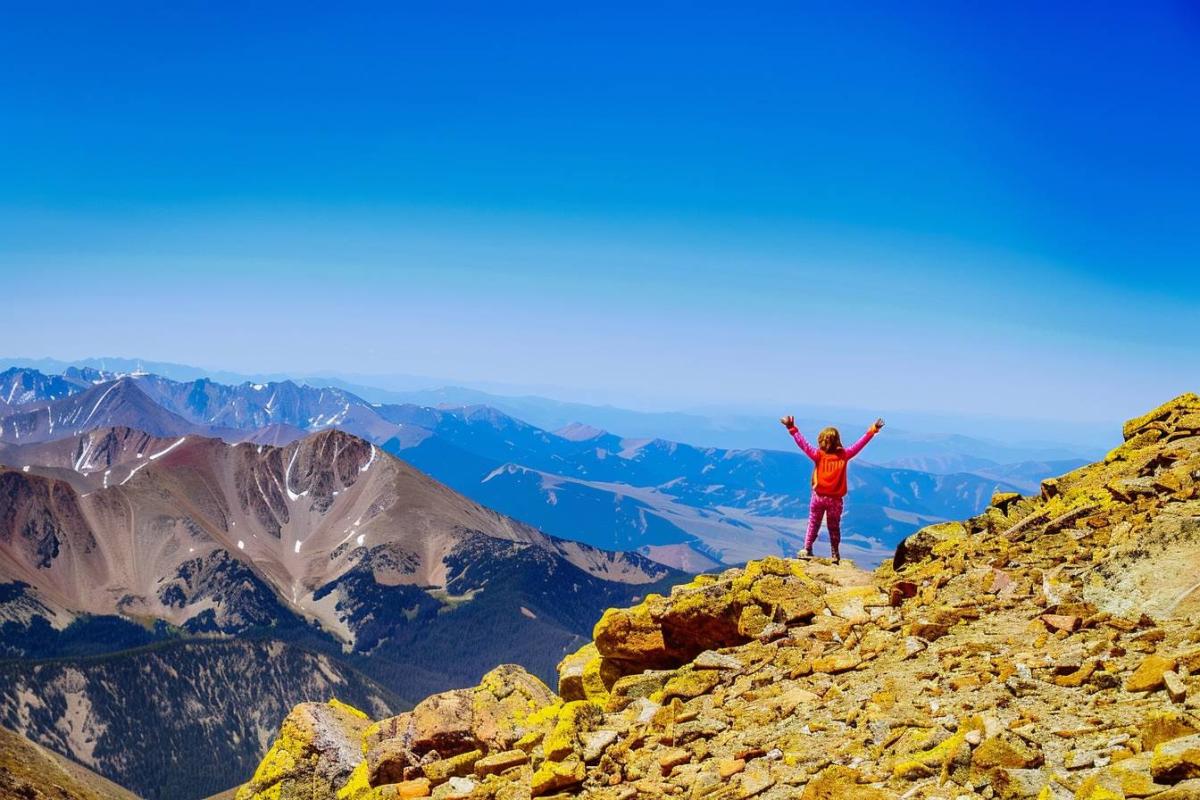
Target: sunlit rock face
(1046, 648)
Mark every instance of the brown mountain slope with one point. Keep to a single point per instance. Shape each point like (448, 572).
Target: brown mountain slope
(31, 772)
(88, 461)
(122, 522)
(256, 541)
(1046, 649)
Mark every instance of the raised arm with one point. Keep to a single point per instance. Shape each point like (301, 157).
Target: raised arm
(790, 423)
(857, 447)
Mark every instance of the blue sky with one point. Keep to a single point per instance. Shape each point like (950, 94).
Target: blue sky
(978, 210)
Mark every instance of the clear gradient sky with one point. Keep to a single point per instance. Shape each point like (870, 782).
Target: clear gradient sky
(936, 206)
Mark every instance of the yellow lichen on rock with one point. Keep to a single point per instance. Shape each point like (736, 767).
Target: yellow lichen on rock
(581, 676)
(689, 682)
(999, 751)
(1045, 648)
(554, 775)
(357, 786)
(1165, 725)
(632, 634)
(1099, 793)
(503, 703)
(716, 611)
(937, 760)
(346, 708)
(443, 769)
(1149, 674)
(1183, 406)
(1176, 760)
(317, 749)
(573, 719)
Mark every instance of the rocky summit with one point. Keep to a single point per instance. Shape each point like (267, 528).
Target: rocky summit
(1047, 648)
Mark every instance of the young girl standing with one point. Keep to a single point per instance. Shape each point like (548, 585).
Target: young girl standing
(828, 480)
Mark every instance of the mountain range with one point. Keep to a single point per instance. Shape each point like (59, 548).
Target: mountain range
(916, 434)
(135, 565)
(689, 507)
(159, 537)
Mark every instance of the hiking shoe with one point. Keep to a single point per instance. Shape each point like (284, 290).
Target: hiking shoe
(808, 553)
(836, 556)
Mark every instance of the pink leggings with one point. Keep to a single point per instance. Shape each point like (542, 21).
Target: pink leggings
(822, 505)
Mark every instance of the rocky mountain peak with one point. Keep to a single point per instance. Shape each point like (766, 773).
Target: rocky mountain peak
(579, 432)
(1046, 648)
(116, 403)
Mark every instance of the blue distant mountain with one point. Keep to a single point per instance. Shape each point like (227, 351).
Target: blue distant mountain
(926, 435)
(686, 506)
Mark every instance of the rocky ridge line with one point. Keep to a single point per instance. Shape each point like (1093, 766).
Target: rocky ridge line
(1047, 648)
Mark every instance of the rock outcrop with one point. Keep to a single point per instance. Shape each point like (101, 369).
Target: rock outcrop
(1047, 648)
(317, 748)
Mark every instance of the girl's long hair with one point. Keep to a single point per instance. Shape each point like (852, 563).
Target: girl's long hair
(829, 440)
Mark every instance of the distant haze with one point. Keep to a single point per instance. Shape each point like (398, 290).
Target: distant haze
(912, 434)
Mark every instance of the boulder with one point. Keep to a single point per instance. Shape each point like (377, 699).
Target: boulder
(1186, 790)
(566, 737)
(1176, 688)
(390, 728)
(689, 682)
(839, 783)
(1149, 675)
(444, 722)
(632, 687)
(1176, 760)
(1004, 751)
(707, 614)
(554, 775)
(497, 763)
(836, 663)
(1182, 406)
(388, 761)
(581, 676)
(318, 747)
(928, 541)
(853, 603)
(443, 769)
(490, 717)
(1163, 726)
(503, 703)
(634, 636)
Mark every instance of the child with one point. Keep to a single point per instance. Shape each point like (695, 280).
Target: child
(828, 480)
